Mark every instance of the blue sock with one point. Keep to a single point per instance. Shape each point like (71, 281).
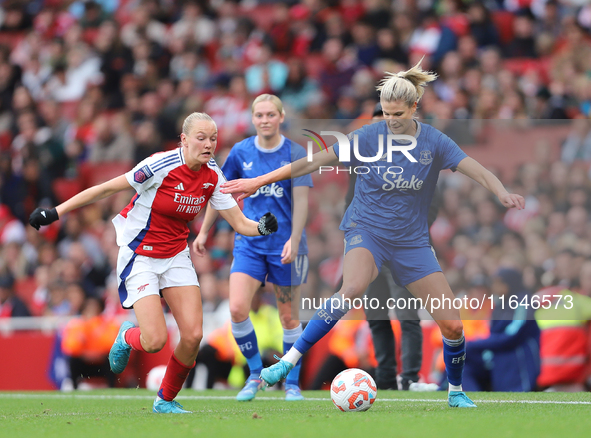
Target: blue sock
(289, 337)
(454, 356)
(323, 320)
(247, 342)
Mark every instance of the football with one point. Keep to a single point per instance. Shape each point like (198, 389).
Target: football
(353, 390)
(155, 377)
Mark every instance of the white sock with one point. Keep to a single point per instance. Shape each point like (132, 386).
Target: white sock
(454, 388)
(292, 335)
(123, 338)
(292, 356)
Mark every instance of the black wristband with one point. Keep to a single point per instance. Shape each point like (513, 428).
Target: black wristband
(267, 224)
(262, 229)
(52, 215)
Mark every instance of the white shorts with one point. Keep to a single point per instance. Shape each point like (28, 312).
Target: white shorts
(140, 276)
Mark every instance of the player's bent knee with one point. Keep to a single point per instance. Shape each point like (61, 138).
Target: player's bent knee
(352, 291)
(192, 340)
(451, 329)
(239, 313)
(155, 343)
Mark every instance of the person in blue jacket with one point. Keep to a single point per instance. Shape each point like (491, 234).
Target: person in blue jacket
(509, 359)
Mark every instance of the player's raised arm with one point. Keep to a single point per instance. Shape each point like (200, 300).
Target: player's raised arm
(301, 167)
(472, 168)
(43, 216)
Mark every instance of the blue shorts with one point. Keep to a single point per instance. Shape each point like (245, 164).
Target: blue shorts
(269, 268)
(407, 264)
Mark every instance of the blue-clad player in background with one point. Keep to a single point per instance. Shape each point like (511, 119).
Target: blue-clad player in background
(280, 259)
(387, 220)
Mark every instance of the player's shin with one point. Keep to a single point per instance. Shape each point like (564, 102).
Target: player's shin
(247, 342)
(132, 337)
(454, 356)
(289, 337)
(174, 378)
(322, 322)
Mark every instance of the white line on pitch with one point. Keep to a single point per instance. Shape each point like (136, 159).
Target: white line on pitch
(206, 397)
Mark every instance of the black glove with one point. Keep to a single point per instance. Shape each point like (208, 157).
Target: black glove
(42, 216)
(268, 224)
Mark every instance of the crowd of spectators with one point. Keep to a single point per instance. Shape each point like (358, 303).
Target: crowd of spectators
(89, 88)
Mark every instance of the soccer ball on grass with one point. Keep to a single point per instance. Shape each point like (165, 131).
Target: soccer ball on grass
(353, 390)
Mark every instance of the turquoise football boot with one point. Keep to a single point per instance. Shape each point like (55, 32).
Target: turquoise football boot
(168, 407)
(293, 393)
(250, 389)
(459, 399)
(119, 354)
(276, 372)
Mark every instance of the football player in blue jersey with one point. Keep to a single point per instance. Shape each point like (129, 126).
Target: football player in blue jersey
(280, 259)
(387, 219)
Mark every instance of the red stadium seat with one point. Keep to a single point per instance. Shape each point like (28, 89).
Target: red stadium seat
(11, 39)
(5, 140)
(124, 11)
(96, 173)
(262, 15)
(314, 65)
(65, 188)
(170, 145)
(90, 35)
(69, 109)
(25, 288)
(503, 21)
(520, 66)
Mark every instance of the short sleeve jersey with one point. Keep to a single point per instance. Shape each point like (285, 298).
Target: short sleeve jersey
(169, 196)
(392, 198)
(248, 159)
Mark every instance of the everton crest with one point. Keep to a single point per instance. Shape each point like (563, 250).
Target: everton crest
(426, 158)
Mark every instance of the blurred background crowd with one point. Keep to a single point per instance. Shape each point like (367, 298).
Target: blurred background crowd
(89, 88)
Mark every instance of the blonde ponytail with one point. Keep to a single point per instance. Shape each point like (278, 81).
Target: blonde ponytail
(407, 86)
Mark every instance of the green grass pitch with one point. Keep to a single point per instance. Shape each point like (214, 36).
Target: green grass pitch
(128, 413)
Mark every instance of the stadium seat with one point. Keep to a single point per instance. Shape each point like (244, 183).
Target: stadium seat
(5, 140)
(11, 39)
(170, 145)
(503, 21)
(124, 10)
(96, 173)
(25, 288)
(65, 188)
(262, 15)
(69, 109)
(314, 65)
(90, 35)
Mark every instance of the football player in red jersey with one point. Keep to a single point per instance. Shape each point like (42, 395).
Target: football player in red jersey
(172, 187)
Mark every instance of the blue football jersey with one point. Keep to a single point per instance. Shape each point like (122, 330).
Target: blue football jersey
(248, 160)
(392, 198)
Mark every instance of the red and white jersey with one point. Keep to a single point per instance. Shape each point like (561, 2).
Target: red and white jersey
(169, 195)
